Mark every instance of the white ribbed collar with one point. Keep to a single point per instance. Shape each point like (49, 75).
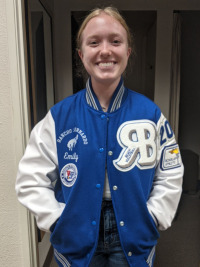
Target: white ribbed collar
(116, 101)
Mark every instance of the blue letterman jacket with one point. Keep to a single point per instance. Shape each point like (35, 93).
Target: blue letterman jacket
(72, 145)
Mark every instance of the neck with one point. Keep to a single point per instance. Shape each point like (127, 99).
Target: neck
(104, 92)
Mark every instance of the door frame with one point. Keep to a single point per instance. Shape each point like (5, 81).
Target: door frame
(21, 120)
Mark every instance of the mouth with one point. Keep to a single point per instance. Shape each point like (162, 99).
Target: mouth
(106, 64)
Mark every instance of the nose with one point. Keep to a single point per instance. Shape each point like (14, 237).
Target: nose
(105, 49)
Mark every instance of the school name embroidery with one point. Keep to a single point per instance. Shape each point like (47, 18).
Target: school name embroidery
(70, 131)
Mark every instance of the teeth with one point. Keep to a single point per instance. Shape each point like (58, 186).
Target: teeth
(107, 64)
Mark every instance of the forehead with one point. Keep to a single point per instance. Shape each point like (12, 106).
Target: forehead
(103, 24)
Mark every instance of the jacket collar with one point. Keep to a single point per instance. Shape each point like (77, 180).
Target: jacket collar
(116, 101)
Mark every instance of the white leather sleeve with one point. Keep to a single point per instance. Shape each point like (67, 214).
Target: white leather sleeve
(167, 185)
(37, 172)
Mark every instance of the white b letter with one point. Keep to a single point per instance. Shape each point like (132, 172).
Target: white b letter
(137, 138)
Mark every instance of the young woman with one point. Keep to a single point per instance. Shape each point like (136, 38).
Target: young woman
(114, 158)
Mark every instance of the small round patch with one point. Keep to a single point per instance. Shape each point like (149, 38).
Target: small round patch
(69, 174)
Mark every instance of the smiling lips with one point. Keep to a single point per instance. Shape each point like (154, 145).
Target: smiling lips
(106, 64)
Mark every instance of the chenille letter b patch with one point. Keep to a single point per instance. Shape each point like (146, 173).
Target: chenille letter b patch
(137, 139)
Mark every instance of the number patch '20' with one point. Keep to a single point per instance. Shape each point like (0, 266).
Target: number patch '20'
(165, 133)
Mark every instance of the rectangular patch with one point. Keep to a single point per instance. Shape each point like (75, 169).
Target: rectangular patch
(170, 158)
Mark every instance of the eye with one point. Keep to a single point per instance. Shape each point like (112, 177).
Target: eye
(93, 43)
(116, 42)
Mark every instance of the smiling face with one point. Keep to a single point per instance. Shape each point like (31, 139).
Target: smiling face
(104, 49)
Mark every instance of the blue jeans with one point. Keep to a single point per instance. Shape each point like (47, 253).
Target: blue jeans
(109, 252)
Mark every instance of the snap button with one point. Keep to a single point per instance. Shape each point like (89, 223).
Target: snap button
(115, 187)
(110, 153)
(98, 186)
(101, 149)
(103, 116)
(121, 223)
(130, 254)
(94, 223)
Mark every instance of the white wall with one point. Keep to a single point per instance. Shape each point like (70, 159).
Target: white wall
(11, 240)
(16, 243)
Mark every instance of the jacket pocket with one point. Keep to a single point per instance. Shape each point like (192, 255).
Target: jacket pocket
(55, 225)
(153, 218)
(62, 261)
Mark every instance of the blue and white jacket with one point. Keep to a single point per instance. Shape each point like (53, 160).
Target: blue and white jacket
(61, 176)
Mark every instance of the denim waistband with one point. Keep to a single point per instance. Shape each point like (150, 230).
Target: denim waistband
(106, 203)
(108, 233)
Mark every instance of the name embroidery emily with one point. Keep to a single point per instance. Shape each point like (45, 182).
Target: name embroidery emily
(74, 156)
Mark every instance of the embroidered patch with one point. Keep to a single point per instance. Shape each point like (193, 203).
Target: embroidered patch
(137, 139)
(69, 174)
(73, 156)
(170, 157)
(72, 143)
(165, 131)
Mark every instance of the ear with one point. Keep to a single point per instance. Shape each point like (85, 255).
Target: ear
(129, 51)
(80, 54)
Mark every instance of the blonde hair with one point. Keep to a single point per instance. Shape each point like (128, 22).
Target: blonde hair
(111, 11)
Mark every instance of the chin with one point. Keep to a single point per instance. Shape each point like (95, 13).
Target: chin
(109, 77)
